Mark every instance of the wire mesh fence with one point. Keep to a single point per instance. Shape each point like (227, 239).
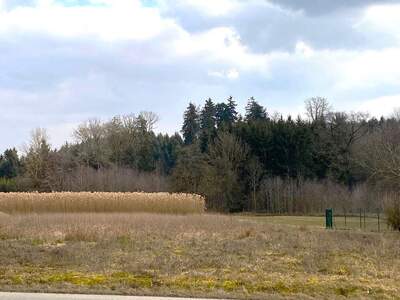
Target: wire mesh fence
(361, 220)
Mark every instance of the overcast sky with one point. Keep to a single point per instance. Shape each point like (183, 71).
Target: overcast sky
(65, 61)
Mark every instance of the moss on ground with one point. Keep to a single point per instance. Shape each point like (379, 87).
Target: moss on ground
(275, 284)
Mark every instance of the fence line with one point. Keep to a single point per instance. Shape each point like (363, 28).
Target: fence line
(365, 220)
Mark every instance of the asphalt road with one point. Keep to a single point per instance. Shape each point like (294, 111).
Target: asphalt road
(28, 296)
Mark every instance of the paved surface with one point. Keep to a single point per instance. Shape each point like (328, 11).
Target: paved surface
(27, 296)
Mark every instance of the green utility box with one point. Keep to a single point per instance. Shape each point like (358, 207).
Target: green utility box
(329, 218)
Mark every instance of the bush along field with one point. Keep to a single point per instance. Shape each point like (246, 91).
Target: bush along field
(182, 254)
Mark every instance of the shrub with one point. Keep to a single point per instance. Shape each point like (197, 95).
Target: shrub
(392, 209)
(393, 216)
(7, 185)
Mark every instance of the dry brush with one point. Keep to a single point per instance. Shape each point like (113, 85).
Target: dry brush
(195, 256)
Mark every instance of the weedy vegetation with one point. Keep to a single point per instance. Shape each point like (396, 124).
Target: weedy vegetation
(194, 255)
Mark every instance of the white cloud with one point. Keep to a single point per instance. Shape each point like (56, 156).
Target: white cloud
(212, 8)
(383, 19)
(222, 45)
(381, 106)
(368, 68)
(127, 20)
(303, 49)
(231, 74)
(119, 20)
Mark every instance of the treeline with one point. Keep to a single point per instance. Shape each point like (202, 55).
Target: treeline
(254, 162)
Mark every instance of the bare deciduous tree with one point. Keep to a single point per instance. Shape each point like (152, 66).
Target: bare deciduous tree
(380, 154)
(347, 127)
(396, 114)
(90, 135)
(317, 108)
(150, 119)
(90, 130)
(37, 158)
(255, 171)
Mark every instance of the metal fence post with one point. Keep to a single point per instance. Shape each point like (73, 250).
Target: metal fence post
(329, 218)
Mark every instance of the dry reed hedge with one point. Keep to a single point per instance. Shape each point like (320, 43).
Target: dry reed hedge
(69, 202)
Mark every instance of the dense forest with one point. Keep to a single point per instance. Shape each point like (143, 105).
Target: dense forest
(255, 162)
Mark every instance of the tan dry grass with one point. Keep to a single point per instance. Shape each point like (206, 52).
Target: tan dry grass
(69, 202)
(196, 255)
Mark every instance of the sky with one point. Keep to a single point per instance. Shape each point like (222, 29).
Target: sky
(66, 61)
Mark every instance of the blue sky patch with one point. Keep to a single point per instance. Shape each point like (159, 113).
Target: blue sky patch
(150, 3)
(70, 3)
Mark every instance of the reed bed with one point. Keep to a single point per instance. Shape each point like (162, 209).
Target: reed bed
(69, 202)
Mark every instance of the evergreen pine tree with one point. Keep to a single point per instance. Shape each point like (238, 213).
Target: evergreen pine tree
(191, 126)
(9, 164)
(233, 114)
(226, 114)
(255, 111)
(207, 124)
(221, 110)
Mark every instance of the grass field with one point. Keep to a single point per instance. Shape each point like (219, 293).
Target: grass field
(195, 255)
